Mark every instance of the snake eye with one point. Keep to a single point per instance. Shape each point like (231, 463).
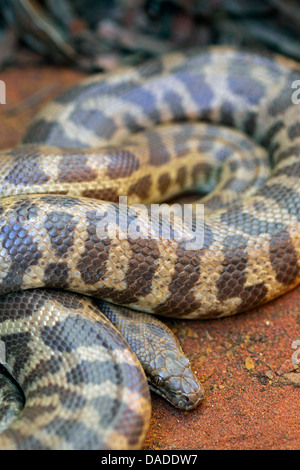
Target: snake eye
(158, 381)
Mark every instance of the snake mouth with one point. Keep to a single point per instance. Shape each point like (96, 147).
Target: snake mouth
(182, 401)
(190, 401)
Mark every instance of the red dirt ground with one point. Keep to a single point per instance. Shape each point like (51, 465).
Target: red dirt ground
(244, 362)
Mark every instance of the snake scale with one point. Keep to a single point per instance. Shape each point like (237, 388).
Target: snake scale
(220, 121)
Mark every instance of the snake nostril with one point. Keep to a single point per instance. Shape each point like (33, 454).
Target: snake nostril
(186, 399)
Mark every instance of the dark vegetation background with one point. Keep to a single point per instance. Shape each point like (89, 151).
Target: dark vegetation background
(103, 34)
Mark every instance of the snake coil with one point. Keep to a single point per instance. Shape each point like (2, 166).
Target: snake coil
(138, 133)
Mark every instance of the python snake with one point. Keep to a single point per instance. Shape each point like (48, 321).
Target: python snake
(137, 132)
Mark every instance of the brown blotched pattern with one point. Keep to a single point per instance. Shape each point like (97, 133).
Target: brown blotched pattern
(80, 354)
(135, 133)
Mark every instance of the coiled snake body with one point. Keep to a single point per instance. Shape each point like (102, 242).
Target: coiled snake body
(137, 133)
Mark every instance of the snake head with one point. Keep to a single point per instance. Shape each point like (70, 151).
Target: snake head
(176, 382)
